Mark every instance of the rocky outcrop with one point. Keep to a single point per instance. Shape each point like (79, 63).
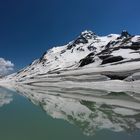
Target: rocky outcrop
(111, 59)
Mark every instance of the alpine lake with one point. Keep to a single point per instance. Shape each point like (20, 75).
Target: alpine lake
(33, 115)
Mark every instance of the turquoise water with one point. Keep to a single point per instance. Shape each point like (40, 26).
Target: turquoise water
(56, 118)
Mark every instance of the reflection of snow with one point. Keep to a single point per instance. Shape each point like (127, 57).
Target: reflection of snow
(5, 97)
(116, 113)
(89, 116)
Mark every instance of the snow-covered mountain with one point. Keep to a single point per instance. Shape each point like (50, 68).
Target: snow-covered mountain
(111, 57)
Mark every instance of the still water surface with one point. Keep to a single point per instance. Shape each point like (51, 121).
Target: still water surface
(50, 117)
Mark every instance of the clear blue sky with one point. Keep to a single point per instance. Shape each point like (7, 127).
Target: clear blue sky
(30, 27)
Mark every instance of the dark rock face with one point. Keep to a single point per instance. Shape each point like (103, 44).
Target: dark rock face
(80, 49)
(70, 46)
(42, 59)
(79, 40)
(91, 48)
(88, 35)
(116, 77)
(63, 51)
(87, 60)
(83, 39)
(136, 43)
(132, 47)
(124, 34)
(112, 59)
(103, 57)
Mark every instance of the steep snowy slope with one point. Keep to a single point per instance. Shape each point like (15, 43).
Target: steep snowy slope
(114, 56)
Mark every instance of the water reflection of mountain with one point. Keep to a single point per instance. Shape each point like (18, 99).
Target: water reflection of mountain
(90, 112)
(5, 97)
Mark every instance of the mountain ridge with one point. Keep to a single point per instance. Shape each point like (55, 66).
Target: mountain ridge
(87, 51)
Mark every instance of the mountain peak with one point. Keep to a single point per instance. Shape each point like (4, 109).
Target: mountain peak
(83, 38)
(87, 34)
(125, 33)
